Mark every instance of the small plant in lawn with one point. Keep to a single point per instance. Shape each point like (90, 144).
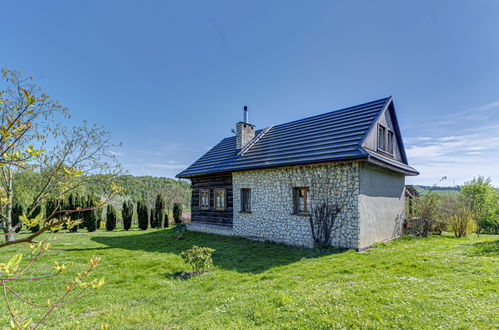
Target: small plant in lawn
(180, 229)
(199, 258)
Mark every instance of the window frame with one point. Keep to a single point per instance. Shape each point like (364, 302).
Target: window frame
(215, 201)
(389, 142)
(387, 146)
(201, 191)
(381, 137)
(246, 200)
(306, 201)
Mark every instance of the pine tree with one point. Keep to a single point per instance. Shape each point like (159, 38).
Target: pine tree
(177, 212)
(110, 218)
(159, 210)
(127, 213)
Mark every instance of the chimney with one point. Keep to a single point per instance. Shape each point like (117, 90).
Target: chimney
(245, 132)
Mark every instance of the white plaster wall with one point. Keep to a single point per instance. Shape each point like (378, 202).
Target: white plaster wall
(381, 205)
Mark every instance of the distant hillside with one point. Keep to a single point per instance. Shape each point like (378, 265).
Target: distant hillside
(444, 191)
(136, 188)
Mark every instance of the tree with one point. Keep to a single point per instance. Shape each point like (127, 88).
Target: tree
(127, 213)
(27, 117)
(142, 215)
(71, 204)
(159, 210)
(167, 221)
(481, 198)
(17, 211)
(177, 212)
(90, 215)
(36, 212)
(110, 218)
(152, 220)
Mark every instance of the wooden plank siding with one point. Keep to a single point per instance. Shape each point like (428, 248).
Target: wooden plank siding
(212, 182)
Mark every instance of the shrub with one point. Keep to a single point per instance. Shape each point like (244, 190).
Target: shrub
(167, 221)
(110, 218)
(177, 212)
(127, 213)
(142, 215)
(180, 229)
(17, 211)
(200, 258)
(90, 216)
(36, 211)
(460, 219)
(159, 211)
(152, 221)
(426, 209)
(482, 199)
(322, 220)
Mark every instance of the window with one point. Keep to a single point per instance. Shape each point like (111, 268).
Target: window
(204, 199)
(381, 137)
(220, 199)
(385, 139)
(301, 200)
(389, 142)
(246, 200)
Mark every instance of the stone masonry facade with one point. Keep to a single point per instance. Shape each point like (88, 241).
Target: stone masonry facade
(272, 207)
(272, 215)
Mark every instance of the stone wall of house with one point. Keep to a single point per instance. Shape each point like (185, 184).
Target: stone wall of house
(211, 228)
(272, 206)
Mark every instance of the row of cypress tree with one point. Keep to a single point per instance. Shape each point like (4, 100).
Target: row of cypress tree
(155, 217)
(72, 202)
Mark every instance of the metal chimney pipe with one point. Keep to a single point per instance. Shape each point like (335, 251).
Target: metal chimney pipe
(245, 118)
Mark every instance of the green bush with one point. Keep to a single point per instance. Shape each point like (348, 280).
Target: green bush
(110, 218)
(177, 212)
(200, 258)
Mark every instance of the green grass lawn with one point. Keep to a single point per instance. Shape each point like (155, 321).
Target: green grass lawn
(410, 282)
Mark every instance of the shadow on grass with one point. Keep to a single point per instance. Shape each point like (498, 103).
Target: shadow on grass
(484, 249)
(232, 253)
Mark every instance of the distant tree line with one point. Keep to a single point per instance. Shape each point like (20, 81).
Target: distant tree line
(91, 219)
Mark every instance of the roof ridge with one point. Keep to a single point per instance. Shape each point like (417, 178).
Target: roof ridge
(385, 99)
(254, 140)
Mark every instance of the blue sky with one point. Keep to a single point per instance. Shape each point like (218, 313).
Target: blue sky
(169, 78)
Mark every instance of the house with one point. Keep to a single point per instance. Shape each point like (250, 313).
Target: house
(263, 184)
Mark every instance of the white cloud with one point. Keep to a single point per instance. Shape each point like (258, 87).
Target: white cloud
(167, 166)
(460, 146)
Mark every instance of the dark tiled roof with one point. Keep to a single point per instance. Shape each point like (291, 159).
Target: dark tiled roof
(332, 136)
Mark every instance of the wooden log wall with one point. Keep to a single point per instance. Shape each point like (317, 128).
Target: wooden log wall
(212, 182)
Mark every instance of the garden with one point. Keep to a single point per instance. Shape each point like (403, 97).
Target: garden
(437, 281)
